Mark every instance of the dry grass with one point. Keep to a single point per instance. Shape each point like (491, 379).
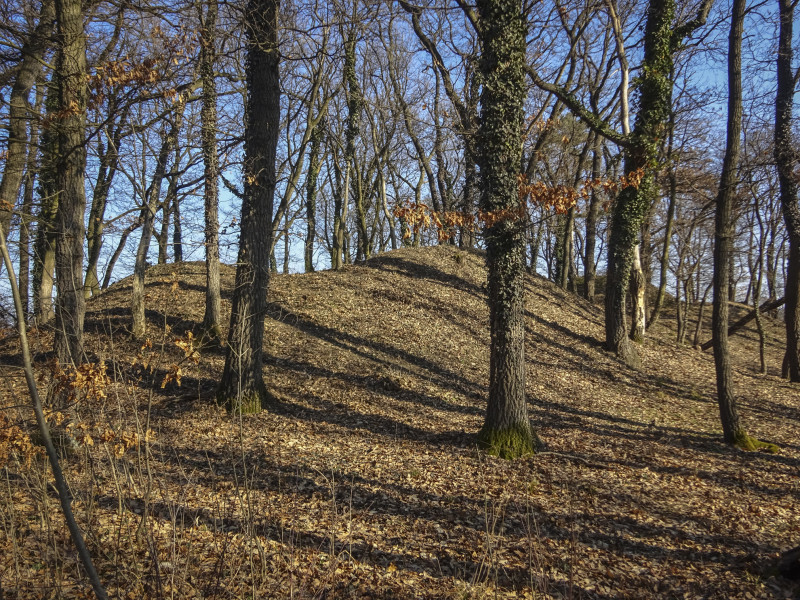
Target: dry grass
(364, 482)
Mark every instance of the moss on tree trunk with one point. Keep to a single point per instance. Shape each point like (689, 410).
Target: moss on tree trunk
(506, 431)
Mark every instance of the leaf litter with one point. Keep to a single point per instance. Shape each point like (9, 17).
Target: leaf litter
(364, 480)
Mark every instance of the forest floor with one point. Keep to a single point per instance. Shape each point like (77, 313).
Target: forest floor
(364, 480)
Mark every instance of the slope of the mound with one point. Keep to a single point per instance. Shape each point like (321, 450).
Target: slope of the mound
(364, 481)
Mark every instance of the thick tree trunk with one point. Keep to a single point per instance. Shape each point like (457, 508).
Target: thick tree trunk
(506, 431)
(242, 387)
(787, 158)
(70, 169)
(633, 203)
(723, 236)
(661, 39)
(208, 134)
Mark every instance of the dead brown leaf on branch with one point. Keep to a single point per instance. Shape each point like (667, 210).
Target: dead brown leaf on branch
(365, 482)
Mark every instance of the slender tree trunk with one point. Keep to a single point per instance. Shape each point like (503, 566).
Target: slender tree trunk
(698, 330)
(123, 238)
(787, 158)
(242, 387)
(109, 163)
(169, 208)
(658, 305)
(506, 431)
(208, 134)
(723, 235)
(312, 179)
(70, 169)
(177, 231)
(31, 171)
(683, 326)
(387, 212)
(286, 244)
(354, 104)
(44, 261)
(362, 235)
(147, 218)
(589, 275)
(19, 111)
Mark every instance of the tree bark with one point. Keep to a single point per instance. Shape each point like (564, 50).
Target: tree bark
(787, 159)
(506, 431)
(765, 307)
(147, 218)
(70, 169)
(108, 165)
(723, 235)
(242, 387)
(312, 179)
(208, 134)
(31, 171)
(589, 275)
(661, 39)
(19, 111)
(658, 305)
(638, 291)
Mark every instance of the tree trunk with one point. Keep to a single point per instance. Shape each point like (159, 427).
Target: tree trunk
(177, 232)
(208, 134)
(70, 169)
(661, 39)
(242, 387)
(698, 329)
(147, 218)
(123, 238)
(354, 104)
(787, 159)
(169, 208)
(723, 236)
(312, 179)
(658, 305)
(31, 171)
(638, 290)
(44, 260)
(506, 431)
(589, 275)
(108, 165)
(19, 111)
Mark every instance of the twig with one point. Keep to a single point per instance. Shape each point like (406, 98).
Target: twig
(44, 430)
(588, 463)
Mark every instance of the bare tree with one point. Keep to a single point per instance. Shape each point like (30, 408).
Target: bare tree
(787, 159)
(507, 430)
(723, 236)
(70, 165)
(242, 387)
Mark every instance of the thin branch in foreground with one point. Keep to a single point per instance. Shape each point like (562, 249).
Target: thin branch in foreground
(44, 430)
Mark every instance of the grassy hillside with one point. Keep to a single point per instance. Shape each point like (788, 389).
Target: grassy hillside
(365, 482)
